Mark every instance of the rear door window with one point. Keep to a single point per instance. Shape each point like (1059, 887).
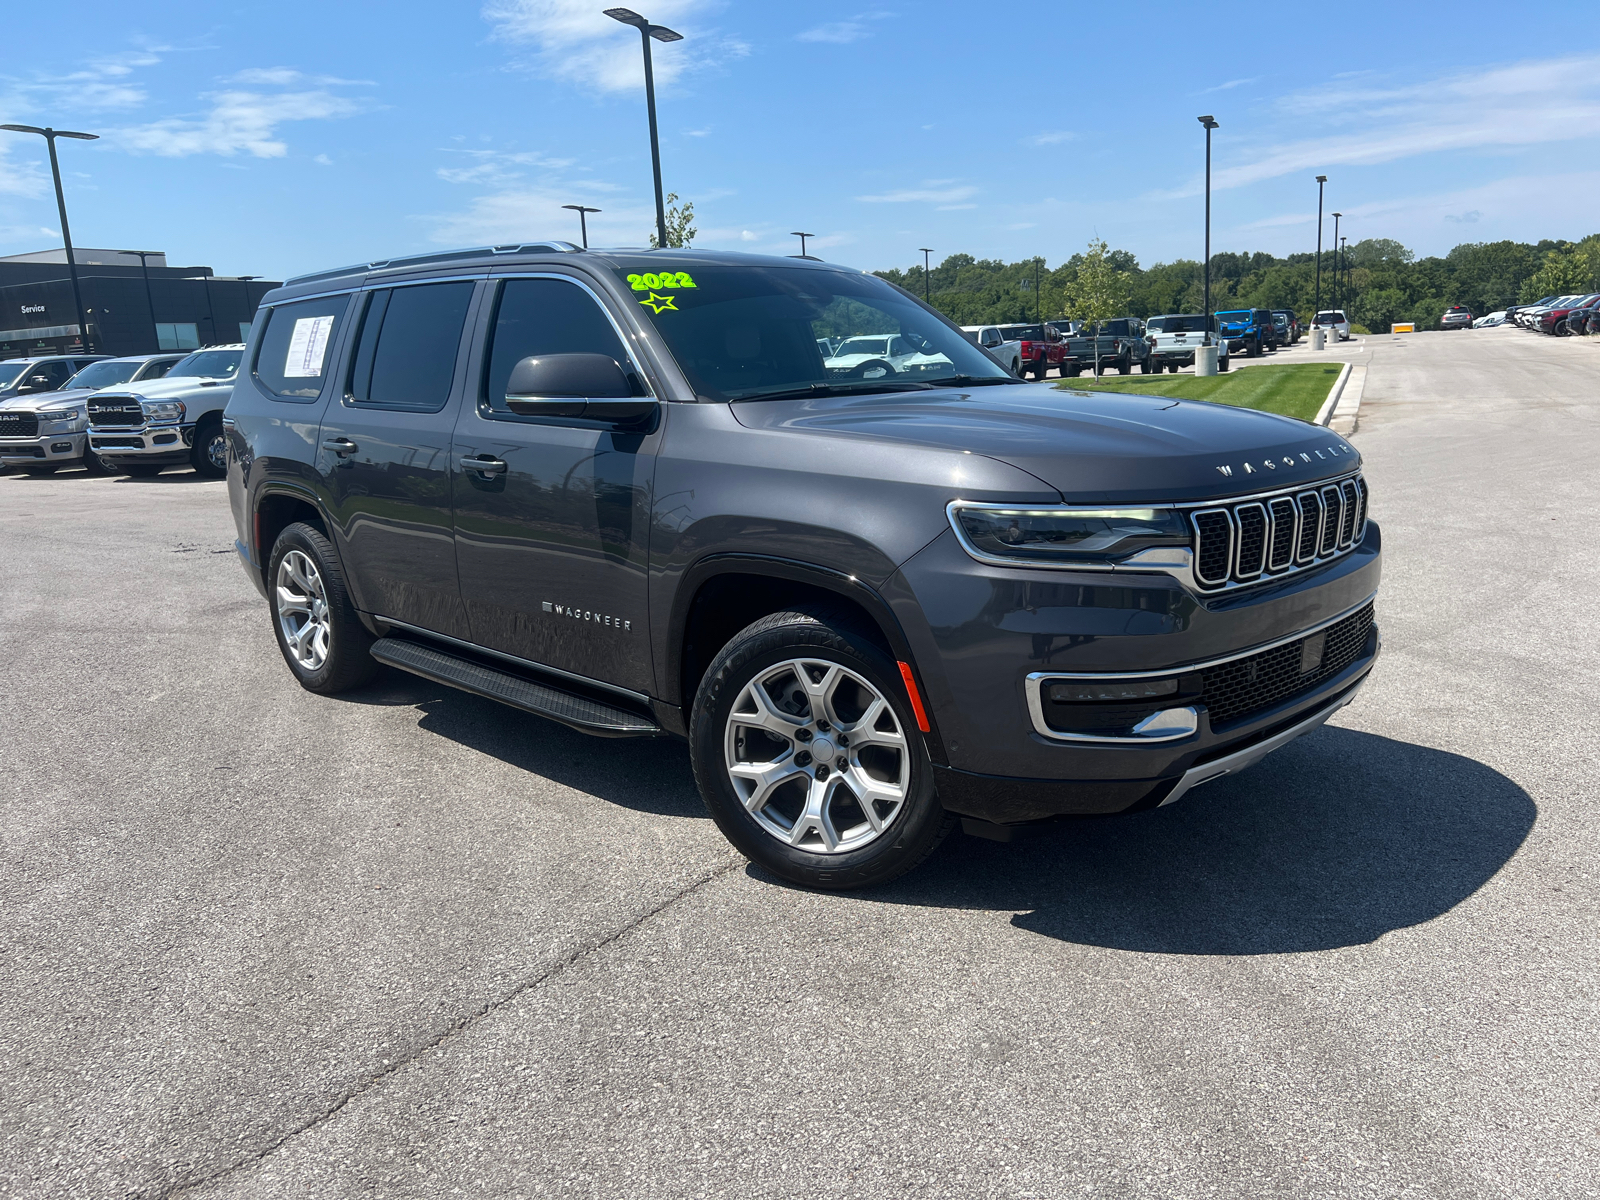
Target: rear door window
(292, 355)
(410, 337)
(545, 316)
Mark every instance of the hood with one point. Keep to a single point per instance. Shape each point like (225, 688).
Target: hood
(1092, 447)
(173, 389)
(46, 399)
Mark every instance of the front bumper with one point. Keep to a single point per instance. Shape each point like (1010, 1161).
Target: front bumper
(979, 632)
(45, 448)
(143, 443)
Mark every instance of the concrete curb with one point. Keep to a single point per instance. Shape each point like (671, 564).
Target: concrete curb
(1347, 413)
(1325, 413)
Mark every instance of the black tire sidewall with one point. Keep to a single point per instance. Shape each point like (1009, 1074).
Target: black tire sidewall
(208, 428)
(920, 825)
(349, 662)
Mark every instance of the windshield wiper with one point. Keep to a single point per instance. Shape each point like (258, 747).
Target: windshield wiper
(836, 389)
(971, 380)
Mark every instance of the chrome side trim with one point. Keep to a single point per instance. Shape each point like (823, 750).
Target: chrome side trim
(637, 697)
(1251, 755)
(1206, 664)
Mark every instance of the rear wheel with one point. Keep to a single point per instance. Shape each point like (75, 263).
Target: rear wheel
(806, 752)
(1222, 363)
(1124, 366)
(1073, 371)
(325, 644)
(96, 465)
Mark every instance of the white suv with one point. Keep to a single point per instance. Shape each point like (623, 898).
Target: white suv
(1335, 322)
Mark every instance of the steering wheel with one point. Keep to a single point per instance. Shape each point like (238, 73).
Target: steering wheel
(872, 368)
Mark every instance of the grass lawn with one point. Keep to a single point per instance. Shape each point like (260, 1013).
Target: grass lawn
(1294, 389)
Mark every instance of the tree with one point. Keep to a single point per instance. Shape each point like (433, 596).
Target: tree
(680, 224)
(1098, 293)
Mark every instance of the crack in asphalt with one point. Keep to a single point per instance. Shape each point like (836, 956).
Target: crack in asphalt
(460, 1025)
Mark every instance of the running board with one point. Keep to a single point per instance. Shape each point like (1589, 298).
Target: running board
(579, 712)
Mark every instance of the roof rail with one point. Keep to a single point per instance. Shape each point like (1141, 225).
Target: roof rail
(417, 260)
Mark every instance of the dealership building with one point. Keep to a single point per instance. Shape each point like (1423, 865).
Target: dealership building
(133, 303)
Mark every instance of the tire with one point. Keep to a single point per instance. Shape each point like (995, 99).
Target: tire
(1253, 350)
(1222, 365)
(327, 647)
(1073, 371)
(790, 819)
(95, 465)
(1173, 368)
(209, 454)
(140, 470)
(1149, 368)
(1124, 366)
(1016, 368)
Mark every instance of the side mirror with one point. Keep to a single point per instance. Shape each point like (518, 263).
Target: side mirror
(591, 386)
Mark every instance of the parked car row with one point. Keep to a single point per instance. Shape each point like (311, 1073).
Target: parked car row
(135, 415)
(1563, 316)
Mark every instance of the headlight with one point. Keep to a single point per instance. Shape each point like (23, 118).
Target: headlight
(163, 410)
(1063, 536)
(61, 414)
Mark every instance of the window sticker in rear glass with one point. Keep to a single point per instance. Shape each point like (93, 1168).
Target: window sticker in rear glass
(308, 344)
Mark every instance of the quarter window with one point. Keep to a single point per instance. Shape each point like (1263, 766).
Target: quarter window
(292, 357)
(545, 316)
(406, 354)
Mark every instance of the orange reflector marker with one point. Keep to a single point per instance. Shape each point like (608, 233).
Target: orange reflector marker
(916, 698)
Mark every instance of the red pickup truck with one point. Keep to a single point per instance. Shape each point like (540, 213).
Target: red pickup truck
(1041, 348)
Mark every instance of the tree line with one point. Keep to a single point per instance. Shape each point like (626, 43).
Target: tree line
(1377, 282)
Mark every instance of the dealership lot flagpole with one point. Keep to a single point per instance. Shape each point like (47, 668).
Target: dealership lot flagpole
(50, 136)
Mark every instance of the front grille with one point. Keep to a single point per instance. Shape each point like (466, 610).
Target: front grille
(115, 414)
(1270, 535)
(1237, 689)
(18, 424)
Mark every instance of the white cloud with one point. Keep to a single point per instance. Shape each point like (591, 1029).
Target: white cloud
(697, 132)
(746, 235)
(497, 166)
(288, 76)
(575, 41)
(1523, 104)
(1230, 85)
(529, 214)
(322, 160)
(840, 33)
(1053, 137)
(1470, 217)
(932, 192)
(239, 122)
(22, 179)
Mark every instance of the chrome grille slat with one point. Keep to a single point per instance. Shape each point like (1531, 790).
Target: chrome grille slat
(1253, 539)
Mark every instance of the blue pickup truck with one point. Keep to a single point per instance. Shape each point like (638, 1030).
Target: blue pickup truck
(1249, 329)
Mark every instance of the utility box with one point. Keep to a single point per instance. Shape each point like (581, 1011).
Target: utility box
(1404, 327)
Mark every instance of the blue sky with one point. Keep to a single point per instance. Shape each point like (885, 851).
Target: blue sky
(283, 138)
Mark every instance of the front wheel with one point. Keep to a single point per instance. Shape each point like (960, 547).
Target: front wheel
(1072, 371)
(209, 454)
(95, 465)
(1222, 364)
(323, 641)
(1124, 366)
(1149, 367)
(806, 751)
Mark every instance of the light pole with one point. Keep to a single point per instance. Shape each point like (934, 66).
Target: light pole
(1336, 217)
(1344, 269)
(1037, 307)
(149, 297)
(1209, 364)
(50, 136)
(583, 220)
(802, 237)
(661, 34)
(927, 284)
(1321, 179)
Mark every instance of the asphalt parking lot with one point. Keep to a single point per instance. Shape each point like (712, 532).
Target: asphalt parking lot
(257, 943)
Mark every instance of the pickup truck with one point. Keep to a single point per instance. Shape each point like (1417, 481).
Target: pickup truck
(992, 339)
(1173, 338)
(1039, 347)
(1119, 343)
(1249, 329)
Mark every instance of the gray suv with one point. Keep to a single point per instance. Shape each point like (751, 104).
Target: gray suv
(626, 491)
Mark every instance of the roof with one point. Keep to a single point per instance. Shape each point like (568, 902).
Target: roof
(627, 257)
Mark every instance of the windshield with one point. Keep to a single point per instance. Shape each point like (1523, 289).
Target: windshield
(9, 371)
(1022, 333)
(103, 374)
(207, 364)
(1330, 317)
(1236, 317)
(1180, 324)
(739, 332)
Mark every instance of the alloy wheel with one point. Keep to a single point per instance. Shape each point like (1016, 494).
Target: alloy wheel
(817, 756)
(217, 451)
(302, 604)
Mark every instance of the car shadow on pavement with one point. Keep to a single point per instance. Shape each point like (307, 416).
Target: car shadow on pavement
(645, 774)
(1332, 841)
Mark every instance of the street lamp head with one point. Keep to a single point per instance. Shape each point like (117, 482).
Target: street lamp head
(1338, 214)
(797, 233)
(23, 129)
(580, 208)
(628, 17)
(1322, 179)
(1209, 122)
(662, 34)
(86, 137)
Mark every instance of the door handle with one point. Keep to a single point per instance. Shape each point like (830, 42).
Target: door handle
(486, 466)
(340, 446)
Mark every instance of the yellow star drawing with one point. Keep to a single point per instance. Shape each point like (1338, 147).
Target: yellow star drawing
(657, 303)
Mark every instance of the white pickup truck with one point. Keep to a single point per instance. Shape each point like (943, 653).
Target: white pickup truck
(175, 421)
(993, 339)
(1173, 339)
